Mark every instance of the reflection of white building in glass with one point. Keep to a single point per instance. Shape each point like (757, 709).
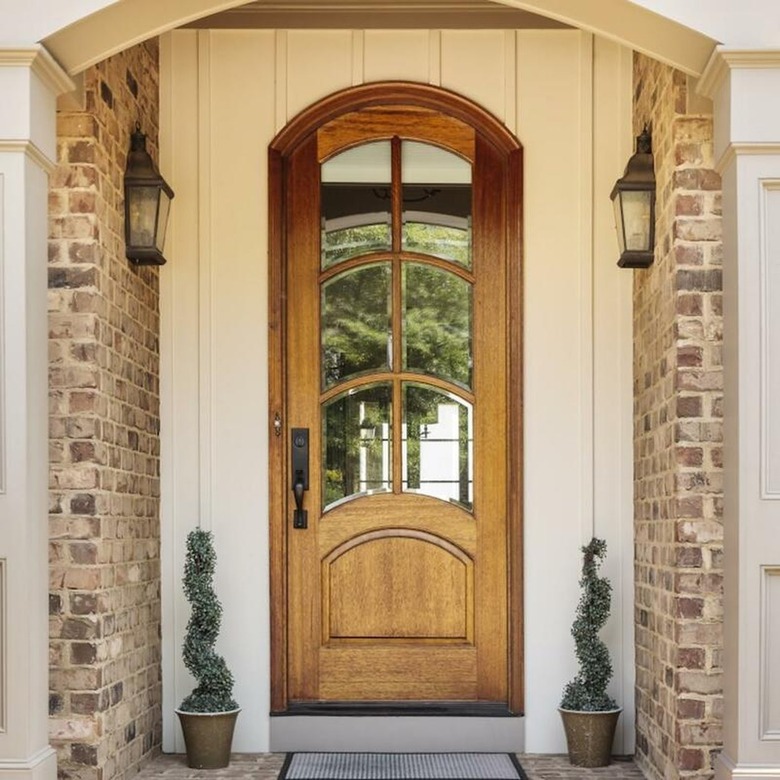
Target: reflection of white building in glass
(444, 462)
(375, 464)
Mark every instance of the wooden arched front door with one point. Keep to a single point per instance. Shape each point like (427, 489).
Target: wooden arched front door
(395, 400)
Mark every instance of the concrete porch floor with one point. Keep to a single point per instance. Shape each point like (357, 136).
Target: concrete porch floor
(265, 766)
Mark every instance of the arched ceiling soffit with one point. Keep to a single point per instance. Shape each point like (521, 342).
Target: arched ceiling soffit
(128, 22)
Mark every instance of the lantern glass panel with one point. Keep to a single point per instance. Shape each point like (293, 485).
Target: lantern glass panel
(621, 235)
(636, 220)
(142, 215)
(162, 219)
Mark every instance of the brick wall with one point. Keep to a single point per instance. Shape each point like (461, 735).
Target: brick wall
(677, 439)
(104, 445)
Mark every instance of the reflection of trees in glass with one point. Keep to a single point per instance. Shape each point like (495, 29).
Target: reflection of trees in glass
(450, 243)
(341, 244)
(437, 323)
(355, 323)
(464, 459)
(353, 463)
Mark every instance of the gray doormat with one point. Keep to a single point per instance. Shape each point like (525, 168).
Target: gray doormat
(401, 766)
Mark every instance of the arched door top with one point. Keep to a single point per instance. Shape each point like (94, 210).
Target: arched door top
(394, 93)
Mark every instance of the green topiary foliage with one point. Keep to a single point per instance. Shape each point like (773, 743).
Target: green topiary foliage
(588, 690)
(214, 691)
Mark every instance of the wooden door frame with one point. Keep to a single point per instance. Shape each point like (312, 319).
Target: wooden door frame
(298, 130)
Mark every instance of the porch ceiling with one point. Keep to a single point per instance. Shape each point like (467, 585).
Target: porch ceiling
(129, 22)
(377, 14)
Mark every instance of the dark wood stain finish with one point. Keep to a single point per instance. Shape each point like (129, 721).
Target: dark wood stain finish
(343, 119)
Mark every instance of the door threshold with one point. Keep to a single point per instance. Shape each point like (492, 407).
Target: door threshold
(468, 709)
(396, 733)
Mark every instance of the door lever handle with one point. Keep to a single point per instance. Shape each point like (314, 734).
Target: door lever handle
(300, 515)
(298, 490)
(300, 474)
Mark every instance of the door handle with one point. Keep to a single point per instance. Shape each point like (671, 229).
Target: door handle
(300, 474)
(300, 519)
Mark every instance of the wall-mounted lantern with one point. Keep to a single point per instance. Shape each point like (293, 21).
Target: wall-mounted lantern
(633, 197)
(147, 205)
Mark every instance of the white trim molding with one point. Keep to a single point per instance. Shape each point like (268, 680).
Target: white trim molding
(735, 150)
(726, 769)
(40, 766)
(31, 150)
(723, 60)
(42, 64)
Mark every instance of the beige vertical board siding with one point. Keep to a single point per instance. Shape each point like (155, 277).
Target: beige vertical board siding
(223, 102)
(280, 72)
(358, 49)
(205, 275)
(557, 153)
(586, 184)
(434, 56)
(397, 54)
(179, 355)
(241, 127)
(473, 63)
(318, 62)
(612, 369)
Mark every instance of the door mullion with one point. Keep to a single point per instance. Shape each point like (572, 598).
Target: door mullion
(397, 313)
(397, 368)
(397, 192)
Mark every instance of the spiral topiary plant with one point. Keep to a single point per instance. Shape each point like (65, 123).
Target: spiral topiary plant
(588, 690)
(214, 691)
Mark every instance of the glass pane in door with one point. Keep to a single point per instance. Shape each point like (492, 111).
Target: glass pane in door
(436, 202)
(356, 204)
(437, 323)
(437, 444)
(356, 323)
(357, 443)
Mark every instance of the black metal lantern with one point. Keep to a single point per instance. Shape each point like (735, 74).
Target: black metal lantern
(147, 205)
(633, 197)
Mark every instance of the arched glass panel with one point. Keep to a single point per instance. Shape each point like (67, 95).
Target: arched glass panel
(356, 323)
(436, 202)
(355, 203)
(437, 323)
(437, 444)
(357, 443)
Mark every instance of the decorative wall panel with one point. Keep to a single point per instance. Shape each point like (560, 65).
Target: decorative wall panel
(2, 341)
(769, 685)
(770, 339)
(3, 651)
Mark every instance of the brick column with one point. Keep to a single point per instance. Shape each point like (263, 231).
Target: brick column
(678, 434)
(104, 404)
(30, 83)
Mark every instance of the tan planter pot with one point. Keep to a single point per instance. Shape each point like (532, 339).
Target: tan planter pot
(589, 736)
(208, 737)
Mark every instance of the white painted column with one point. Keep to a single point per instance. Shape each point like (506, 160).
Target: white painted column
(29, 83)
(745, 86)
